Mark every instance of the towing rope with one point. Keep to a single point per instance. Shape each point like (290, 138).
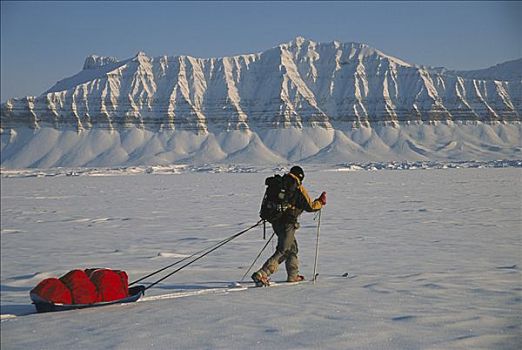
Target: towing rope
(195, 257)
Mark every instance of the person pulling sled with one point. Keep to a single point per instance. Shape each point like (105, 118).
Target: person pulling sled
(284, 201)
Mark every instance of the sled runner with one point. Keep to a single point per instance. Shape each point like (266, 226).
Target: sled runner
(43, 305)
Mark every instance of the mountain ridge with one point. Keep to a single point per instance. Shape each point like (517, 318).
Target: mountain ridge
(295, 84)
(300, 101)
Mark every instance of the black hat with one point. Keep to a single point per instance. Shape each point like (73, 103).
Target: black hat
(297, 171)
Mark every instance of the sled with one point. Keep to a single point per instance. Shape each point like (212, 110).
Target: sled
(43, 305)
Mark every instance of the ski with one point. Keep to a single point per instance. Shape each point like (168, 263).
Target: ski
(229, 288)
(251, 284)
(232, 287)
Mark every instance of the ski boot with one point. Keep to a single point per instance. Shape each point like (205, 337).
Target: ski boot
(296, 278)
(260, 279)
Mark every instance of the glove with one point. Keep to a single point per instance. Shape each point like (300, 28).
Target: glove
(322, 198)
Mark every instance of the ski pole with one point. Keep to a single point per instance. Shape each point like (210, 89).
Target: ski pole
(317, 246)
(257, 257)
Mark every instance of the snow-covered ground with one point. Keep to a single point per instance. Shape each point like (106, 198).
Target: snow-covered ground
(431, 259)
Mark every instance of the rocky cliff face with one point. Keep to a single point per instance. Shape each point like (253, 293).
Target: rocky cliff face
(298, 102)
(296, 84)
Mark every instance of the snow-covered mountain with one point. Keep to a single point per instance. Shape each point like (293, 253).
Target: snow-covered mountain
(231, 106)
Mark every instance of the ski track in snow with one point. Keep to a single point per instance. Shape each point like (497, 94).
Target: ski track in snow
(408, 259)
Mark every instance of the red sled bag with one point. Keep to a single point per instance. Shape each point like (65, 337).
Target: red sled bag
(111, 284)
(83, 291)
(53, 290)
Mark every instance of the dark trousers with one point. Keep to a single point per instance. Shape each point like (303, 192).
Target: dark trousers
(286, 250)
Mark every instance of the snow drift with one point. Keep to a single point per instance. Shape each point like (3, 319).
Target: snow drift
(299, 101)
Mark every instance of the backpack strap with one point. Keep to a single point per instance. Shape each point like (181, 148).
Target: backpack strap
(296, 179)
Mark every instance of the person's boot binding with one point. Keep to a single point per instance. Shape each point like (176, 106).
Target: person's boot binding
(297, 278)
(260, 279)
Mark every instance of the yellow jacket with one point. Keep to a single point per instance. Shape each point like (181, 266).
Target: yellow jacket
(301, 201)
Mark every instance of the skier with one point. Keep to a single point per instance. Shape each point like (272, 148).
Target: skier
(286, 227)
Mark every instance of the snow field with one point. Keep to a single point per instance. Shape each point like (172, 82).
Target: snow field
(432, 256)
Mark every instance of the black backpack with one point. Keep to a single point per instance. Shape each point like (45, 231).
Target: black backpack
(278, 195)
